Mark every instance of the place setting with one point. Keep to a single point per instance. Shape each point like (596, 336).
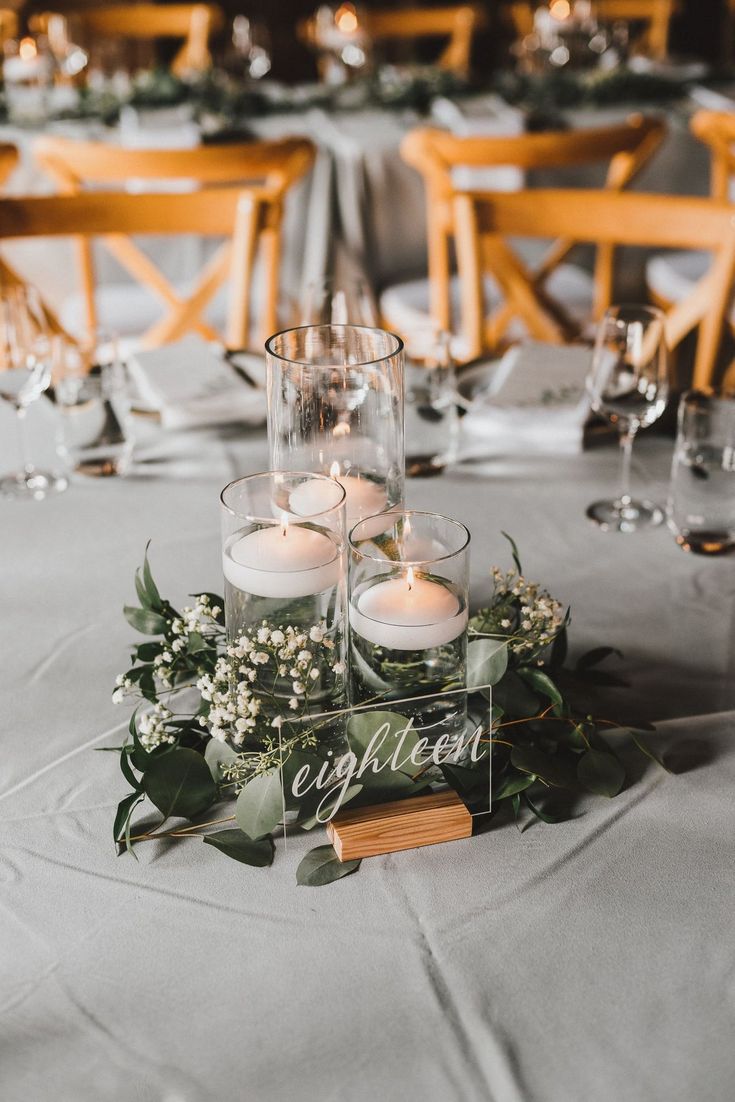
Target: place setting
(367, 459)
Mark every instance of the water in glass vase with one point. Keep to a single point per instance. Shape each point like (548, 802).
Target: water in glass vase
(702, 499)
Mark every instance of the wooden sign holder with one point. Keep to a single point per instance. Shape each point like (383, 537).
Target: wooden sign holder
(402, 824)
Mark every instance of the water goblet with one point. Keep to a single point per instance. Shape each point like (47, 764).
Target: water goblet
(628, 386)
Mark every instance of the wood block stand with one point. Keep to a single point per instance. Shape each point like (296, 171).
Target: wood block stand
(402, 824)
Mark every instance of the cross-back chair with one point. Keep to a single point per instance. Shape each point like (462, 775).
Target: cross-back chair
(277, 166)
(653, 16)
(437, 155)
(484, 223)
(8, 24)
(456, 23)
(194, 23)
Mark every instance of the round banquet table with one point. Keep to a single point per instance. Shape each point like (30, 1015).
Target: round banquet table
(588, 960)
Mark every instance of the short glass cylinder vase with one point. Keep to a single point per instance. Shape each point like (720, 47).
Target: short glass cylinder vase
(409, 590)
(285, 602)
(701, 504)
(335, 406)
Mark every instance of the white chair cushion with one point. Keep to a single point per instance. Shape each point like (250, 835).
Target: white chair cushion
(405, 306)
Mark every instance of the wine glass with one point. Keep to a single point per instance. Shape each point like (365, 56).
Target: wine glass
(628, 385)
(26, 348)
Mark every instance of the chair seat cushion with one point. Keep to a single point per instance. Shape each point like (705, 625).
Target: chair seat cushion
(405, 306)
(672, 276)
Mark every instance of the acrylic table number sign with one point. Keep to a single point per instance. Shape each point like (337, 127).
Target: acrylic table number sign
(335, 407)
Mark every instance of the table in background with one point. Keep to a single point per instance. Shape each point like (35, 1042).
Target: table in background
(589, 960)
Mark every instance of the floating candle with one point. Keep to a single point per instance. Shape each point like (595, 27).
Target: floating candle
(408, 613)
(282, 560)
(363, 498)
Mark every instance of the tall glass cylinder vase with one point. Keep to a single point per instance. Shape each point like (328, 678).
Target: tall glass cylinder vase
(408, 619)
(335, 406)
(285, 599)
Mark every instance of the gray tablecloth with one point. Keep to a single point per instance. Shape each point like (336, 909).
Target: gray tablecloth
(590, 960)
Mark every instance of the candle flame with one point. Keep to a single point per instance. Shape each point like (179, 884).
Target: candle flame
(560, 9)
(407, 526)
(409, 578)
(346, 18)
(334, 470)
(284, 523)
(27, 49)
(342, 429)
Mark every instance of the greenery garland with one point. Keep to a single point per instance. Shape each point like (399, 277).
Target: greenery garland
(197, 760)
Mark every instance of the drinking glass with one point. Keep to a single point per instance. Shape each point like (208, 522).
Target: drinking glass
(26, 349)
(92, 393)
(431, 421)
(628, 385)
(701, 504)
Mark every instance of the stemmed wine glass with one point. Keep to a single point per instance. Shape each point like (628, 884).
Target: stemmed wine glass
(26, 348)
(628, 385)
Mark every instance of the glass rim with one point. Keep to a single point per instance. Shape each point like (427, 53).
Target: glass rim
(306, 518)
(645, 308)
(457, 524)
(329, 325)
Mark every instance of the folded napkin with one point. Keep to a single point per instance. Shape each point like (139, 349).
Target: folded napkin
(537, 404)
(192, 384)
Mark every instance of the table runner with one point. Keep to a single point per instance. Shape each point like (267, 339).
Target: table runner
(589, 960)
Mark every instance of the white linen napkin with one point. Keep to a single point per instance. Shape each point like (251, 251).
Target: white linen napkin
(191, 384)
(537, 405)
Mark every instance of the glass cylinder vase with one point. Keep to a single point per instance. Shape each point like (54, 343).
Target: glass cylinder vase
(285, 594)
(408, 615)
(335, 406)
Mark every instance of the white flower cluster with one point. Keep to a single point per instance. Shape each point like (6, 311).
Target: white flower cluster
(152, 729)
(530, 615)
(247, 674)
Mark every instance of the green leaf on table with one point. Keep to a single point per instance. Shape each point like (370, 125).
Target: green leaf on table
(393, 731)
(218, 754)
(123, 813)
(146, 652)
(559, 648)
(259, 806)
(233, 843)
(515, 697)
(544, 816)
(141, 591)
(196, 643)
(487, 661)
(323, 866)
(552, 770)
(127, 772)
(512, 783)
(540, 682)
(600, 773)
(514, 552)
(179, 783)
(646, 749)
(154, 597)
(144, 621)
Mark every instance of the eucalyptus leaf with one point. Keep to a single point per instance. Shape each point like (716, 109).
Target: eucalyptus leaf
(514, 552)
(600, 773)
(218, 754)
(179, 783)
(233, 843)
(515, 697)
(541, 683)
(512, 783)
(259, 806)
(323, 866)
(549, 769)
(362, 727)
(123, 813)
(646, 749)
(151, 588)
(487, 661)
(141, 591)
(144, 621)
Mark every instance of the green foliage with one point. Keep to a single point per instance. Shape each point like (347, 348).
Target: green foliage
(179, 783)
(235, 844)
(323, 866)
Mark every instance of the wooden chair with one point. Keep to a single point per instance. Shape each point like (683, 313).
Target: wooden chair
(457, 23)
(484, 222)
(194, 23)
(654, 17)
(437, 155)
(8, 24)
(243, 215)
(275, 165)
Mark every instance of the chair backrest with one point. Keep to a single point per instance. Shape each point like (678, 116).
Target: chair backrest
(654, 16)
(458, 23)
(8, 160)
(717, 130)
(8, 24)
(275, 165)
(485, 221)
(436, 154)
(194, 23)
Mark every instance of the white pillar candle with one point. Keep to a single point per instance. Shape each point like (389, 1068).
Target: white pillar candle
(282, 561)
(408, 613)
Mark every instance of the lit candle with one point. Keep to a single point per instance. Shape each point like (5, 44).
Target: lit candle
(283, 561)
(27, 65)
(408, 613)
(363, 498)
